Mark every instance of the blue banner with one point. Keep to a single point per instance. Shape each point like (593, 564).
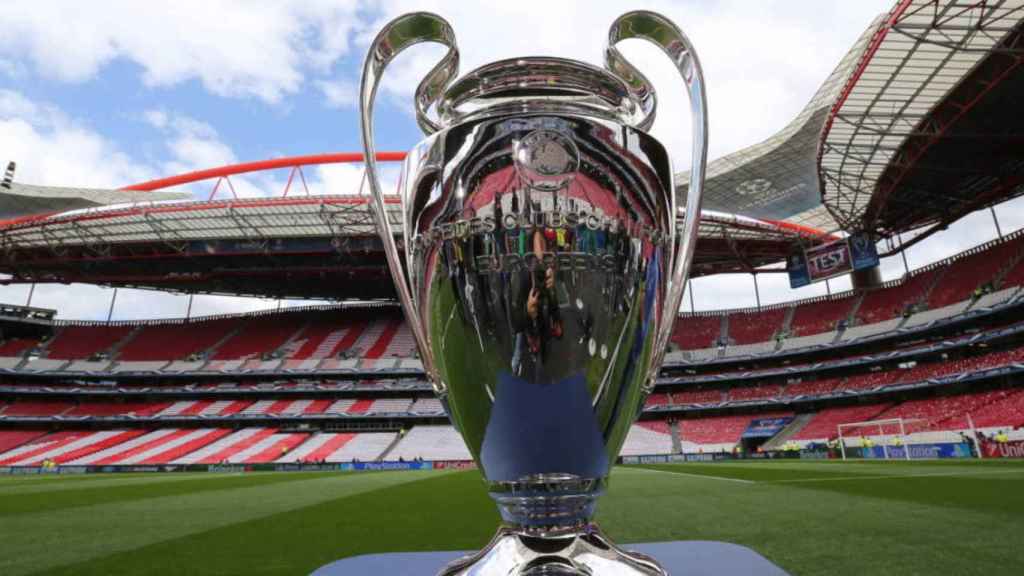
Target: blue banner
(862, 252)
(796, 265)
(766, 427)
(919, 451)
(426, 465)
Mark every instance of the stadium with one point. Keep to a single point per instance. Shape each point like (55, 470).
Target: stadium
(875, 429)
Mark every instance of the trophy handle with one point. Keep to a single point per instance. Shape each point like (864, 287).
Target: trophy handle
(396, 36)
(663, 33)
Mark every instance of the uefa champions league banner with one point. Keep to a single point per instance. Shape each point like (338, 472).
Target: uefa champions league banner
(830, 260)
(1003, 450)
(919, 451)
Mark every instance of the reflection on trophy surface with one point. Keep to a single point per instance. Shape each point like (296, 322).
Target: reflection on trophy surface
(544, 273)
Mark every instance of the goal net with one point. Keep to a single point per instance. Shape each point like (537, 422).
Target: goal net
(879, 439)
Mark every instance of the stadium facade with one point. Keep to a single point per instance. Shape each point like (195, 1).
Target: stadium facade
(915, 128)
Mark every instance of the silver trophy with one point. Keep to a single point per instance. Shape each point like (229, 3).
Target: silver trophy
(543, 272)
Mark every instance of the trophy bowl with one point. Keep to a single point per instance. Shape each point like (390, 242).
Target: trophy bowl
(542, 273)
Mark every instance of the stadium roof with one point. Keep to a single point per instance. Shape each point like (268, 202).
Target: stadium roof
(20, 200)
(917, 124)
(307, 246)
(777, 179)
(927, 127)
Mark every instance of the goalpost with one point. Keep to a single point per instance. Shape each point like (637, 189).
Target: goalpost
(890, 432)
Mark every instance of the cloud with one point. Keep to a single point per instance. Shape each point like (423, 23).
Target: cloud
(339, 93)
(235, 48)
(762, 61)
(53, 149)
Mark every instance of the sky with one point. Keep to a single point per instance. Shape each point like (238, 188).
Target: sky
(111, 93)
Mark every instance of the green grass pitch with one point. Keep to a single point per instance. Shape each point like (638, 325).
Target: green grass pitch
(808, 517)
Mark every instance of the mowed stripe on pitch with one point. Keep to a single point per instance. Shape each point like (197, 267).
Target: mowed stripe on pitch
(92, 531)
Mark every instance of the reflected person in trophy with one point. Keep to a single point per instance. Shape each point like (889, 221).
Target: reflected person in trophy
(542, 272)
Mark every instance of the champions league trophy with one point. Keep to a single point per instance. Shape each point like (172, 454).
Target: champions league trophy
(543, 272)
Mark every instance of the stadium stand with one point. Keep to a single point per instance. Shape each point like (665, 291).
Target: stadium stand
(696, 332)
(1005, 409)
(762, 392)
(971, 270)
(426, 406)
(755, 327)
(17, 346)
(10, 439)
(28, 408)
(165, 342)
(260, 336)
(711, 396)
(364, 447)
(81, 342)
(890, 302)
(367, 338)
(66, 446)
(823, 426)
(431, 443)
(718, 431)
(821, 316)
(318, 448)
(648, 437)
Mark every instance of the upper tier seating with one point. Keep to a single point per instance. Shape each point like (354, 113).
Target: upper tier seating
(694, 332)
(16, 346)
(30, 408)
(260, 335)
(752, 327)
(175, 341)
(821, 316)
(971, 271)
(141, 409)
(886, 303)
(814, 387)
(1015, 276)
(762, 392)
(81, 342)
(711, 396)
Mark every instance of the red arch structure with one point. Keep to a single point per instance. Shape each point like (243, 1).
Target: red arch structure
(293, 162)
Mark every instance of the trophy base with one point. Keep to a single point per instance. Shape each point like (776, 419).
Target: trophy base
(583, 552)
(679, 558)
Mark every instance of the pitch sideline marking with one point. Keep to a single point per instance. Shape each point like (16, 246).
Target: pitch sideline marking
(890, 476)
(701, 476)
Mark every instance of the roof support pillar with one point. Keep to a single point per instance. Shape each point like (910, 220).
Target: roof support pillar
(31, 291)
(757, 291)
(995, 219)
(113, 299)
(903, 254)
(866, 277)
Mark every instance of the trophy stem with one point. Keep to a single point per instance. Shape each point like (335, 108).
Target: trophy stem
(547, 504)
(585, 551)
